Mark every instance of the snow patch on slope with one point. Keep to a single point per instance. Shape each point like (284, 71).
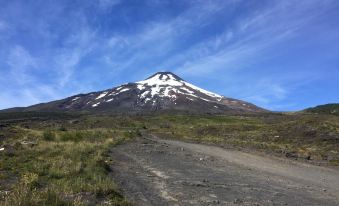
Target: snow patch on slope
(76, 98)
(123, 90)
(95, 105)
(102, 95)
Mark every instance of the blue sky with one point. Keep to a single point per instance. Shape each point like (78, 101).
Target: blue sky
(280, 55)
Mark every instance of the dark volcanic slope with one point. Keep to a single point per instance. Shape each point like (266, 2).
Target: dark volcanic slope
(163, 91)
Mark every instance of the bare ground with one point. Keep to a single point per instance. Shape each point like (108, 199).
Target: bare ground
(153, 171)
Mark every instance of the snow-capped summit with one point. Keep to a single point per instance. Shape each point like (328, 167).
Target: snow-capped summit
(163, 91)
(169, 85)
(162, 78)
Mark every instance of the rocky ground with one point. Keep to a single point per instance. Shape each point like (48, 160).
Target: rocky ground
(153, 171)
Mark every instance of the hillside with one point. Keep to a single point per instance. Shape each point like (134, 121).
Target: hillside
(325, 109)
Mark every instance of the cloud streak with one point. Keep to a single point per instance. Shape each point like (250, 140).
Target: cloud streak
(21, 63)
(256, 33)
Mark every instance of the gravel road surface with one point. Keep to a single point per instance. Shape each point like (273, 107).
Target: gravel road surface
(154, 171)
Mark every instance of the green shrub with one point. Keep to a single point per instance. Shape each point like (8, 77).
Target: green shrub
(49, 135)
(71, 136)
(132, 133)
(63, 129)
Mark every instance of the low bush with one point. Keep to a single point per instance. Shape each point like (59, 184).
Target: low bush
(49, 135)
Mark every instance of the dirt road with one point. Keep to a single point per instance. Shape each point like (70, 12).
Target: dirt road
(153, 171)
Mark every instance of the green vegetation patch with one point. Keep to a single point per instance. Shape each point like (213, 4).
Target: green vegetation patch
(60, 168)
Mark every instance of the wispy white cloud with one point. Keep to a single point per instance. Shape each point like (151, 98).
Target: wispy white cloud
(266, 91)
(158, 39)
(255, 34)
(56, 65)
(118, 42)
(26, 96)
(21, 63)
(106, 4)
(81, 41)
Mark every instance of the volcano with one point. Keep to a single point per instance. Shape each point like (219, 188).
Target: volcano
(163, 91)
